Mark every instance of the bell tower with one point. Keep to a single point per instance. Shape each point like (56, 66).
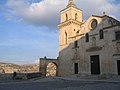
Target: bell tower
(70, 25)
(70, 22)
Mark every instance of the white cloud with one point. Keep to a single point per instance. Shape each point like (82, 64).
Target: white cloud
(97, 7)
(46, 12)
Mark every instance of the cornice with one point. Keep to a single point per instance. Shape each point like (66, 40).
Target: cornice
(68, 22)
(69, 8)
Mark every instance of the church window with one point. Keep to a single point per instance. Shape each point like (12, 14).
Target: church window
(66, 17)
(101, 34)
(65, 37)
(117, 35)
(77, 32)
(94, 24)
(76, 16)
(87, 37)
(76, 44)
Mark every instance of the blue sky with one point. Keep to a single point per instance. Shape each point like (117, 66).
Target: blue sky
(21, 42)
(28, 28)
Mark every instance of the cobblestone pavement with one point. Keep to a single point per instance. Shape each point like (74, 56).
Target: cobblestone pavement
(61, 84)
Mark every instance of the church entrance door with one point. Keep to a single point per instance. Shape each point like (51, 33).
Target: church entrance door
(95, 65)
(118, 66)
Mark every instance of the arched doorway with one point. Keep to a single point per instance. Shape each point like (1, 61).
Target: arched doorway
(2, 71)
(51, 69)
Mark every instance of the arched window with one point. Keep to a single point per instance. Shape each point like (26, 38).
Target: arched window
(87, 37)
(117, 35)
(66, 17)
(65, 37)
(76, 16)
(101, 34)
(76, 44)
(77, 33)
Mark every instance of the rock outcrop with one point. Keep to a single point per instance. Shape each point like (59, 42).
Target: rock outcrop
(10, 68)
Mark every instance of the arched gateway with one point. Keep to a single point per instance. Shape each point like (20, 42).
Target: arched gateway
(48, 67)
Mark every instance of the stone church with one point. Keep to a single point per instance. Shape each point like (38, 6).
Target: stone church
(89, 47)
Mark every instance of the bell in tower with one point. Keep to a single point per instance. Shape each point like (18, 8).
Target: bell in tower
(71, 4)
(70, 21)
(71, 12)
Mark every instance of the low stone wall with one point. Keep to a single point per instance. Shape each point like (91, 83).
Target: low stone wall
(6, 76)
(33, 75)
(20, 76)
(28, 75)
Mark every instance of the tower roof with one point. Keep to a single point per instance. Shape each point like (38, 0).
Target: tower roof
(71, 4)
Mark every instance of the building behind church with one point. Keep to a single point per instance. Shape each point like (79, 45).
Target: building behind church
(89, 47)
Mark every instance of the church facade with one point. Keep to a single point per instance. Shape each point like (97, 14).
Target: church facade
(91, 47)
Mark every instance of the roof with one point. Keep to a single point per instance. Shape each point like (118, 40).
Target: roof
(71, 4)
(107, 17)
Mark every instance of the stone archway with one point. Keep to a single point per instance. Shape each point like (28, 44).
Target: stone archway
(45, 66)
(2, 71)
(51, 69)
